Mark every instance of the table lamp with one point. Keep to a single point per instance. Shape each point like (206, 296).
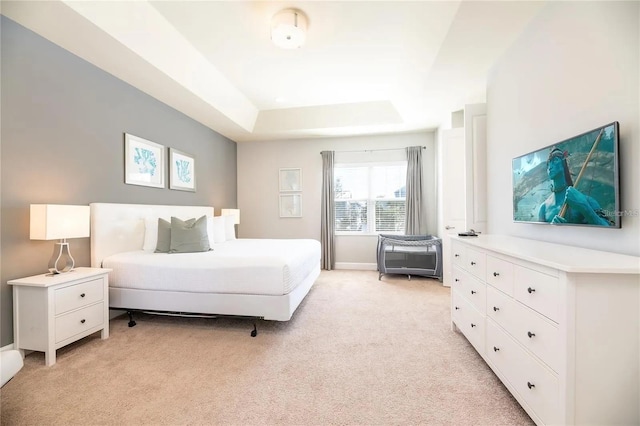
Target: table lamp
(59, 222)
(232, 212)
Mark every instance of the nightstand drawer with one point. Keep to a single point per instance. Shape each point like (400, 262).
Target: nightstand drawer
(76, 322)
(79, 295)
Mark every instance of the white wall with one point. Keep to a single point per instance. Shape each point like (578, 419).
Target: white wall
(258, 165)
(575, 68)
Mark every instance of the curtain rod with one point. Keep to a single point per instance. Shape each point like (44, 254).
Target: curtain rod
(372, 150)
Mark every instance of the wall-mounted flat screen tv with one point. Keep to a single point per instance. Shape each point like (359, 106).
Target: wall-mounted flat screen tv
(573, 182)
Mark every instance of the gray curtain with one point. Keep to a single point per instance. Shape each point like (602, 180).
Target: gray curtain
(328, 215)
(413, 220)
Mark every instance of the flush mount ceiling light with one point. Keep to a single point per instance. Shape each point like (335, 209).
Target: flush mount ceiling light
(289, 28)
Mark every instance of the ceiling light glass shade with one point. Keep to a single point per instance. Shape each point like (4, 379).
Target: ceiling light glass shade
(289, 29)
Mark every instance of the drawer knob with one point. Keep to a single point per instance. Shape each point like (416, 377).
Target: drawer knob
(456, 255)
(473, 263)
(531, 385)
(495, 274)
(496, 349)
(473, 325)
(82, 295)
(531, 290)
(82, 321)
(496, 309)
(530, 334)
(457, 308)
(473, 292)
(456, 280)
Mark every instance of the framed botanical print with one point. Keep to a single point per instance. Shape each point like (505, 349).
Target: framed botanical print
(290, 180)
(182, 171)
(290, 205)
(144, 162)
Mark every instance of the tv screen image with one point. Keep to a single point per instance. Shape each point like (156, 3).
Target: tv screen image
(573, 182)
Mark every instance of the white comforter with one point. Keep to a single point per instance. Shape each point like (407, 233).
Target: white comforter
(242, 266)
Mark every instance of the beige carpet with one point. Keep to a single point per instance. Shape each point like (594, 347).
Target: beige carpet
(357, 352)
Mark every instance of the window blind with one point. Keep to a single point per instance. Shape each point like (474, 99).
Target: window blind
(370, 198)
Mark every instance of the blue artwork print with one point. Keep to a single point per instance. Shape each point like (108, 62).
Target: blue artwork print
(183, 170)
(146, 161)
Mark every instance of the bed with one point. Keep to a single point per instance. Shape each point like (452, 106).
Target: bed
(263, 278)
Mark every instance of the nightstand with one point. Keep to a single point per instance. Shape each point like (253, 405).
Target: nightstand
(51, 311)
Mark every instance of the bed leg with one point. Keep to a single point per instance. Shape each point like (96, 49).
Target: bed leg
(131, 321)
(254, 332)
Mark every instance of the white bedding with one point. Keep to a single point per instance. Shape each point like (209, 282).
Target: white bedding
(257, 278)
(243, 266)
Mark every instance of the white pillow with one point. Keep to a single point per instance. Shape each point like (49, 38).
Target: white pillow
(217, 224)
(150, 233)
(210, 232)
(229, 227)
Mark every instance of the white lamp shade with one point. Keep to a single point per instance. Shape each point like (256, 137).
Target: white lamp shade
(232, 212)
(57, 222)
(289, 29)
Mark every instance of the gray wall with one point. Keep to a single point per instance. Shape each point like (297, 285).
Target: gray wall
(575, 68)
(63, 125)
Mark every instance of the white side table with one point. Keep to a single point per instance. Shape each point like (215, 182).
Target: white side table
(51, 311)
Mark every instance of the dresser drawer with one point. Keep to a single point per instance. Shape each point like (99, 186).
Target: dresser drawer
(79, 295)
(476, 263)
(76, 322)
(500, 274)
(537, 290)
(457, 307)
(458, 254)
(458, 279)
(532, 330)
(469, 321)
(537, 385)
(476, 294)
(471, 288)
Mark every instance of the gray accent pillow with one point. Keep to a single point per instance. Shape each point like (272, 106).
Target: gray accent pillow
(189, 236)
(164, 236)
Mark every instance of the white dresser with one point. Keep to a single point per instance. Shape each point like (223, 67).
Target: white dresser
(51, 311)
(559, 325)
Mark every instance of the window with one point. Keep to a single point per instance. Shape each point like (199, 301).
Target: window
(370, 198)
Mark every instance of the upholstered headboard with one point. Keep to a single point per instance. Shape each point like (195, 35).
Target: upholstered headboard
(117, 228)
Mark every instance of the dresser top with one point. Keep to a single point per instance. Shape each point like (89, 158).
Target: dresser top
(558, 256)
(48, 280)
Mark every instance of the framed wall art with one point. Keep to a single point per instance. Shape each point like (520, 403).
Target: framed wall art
(290, 180)
(144, 162)
(182, 171)
(290, 205)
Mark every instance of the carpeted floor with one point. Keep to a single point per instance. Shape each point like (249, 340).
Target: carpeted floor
(358, 351)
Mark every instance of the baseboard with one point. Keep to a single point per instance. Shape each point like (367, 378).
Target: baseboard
(9, 347)
(357, 266)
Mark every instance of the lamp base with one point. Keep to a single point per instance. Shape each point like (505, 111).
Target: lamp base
(61, 261)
